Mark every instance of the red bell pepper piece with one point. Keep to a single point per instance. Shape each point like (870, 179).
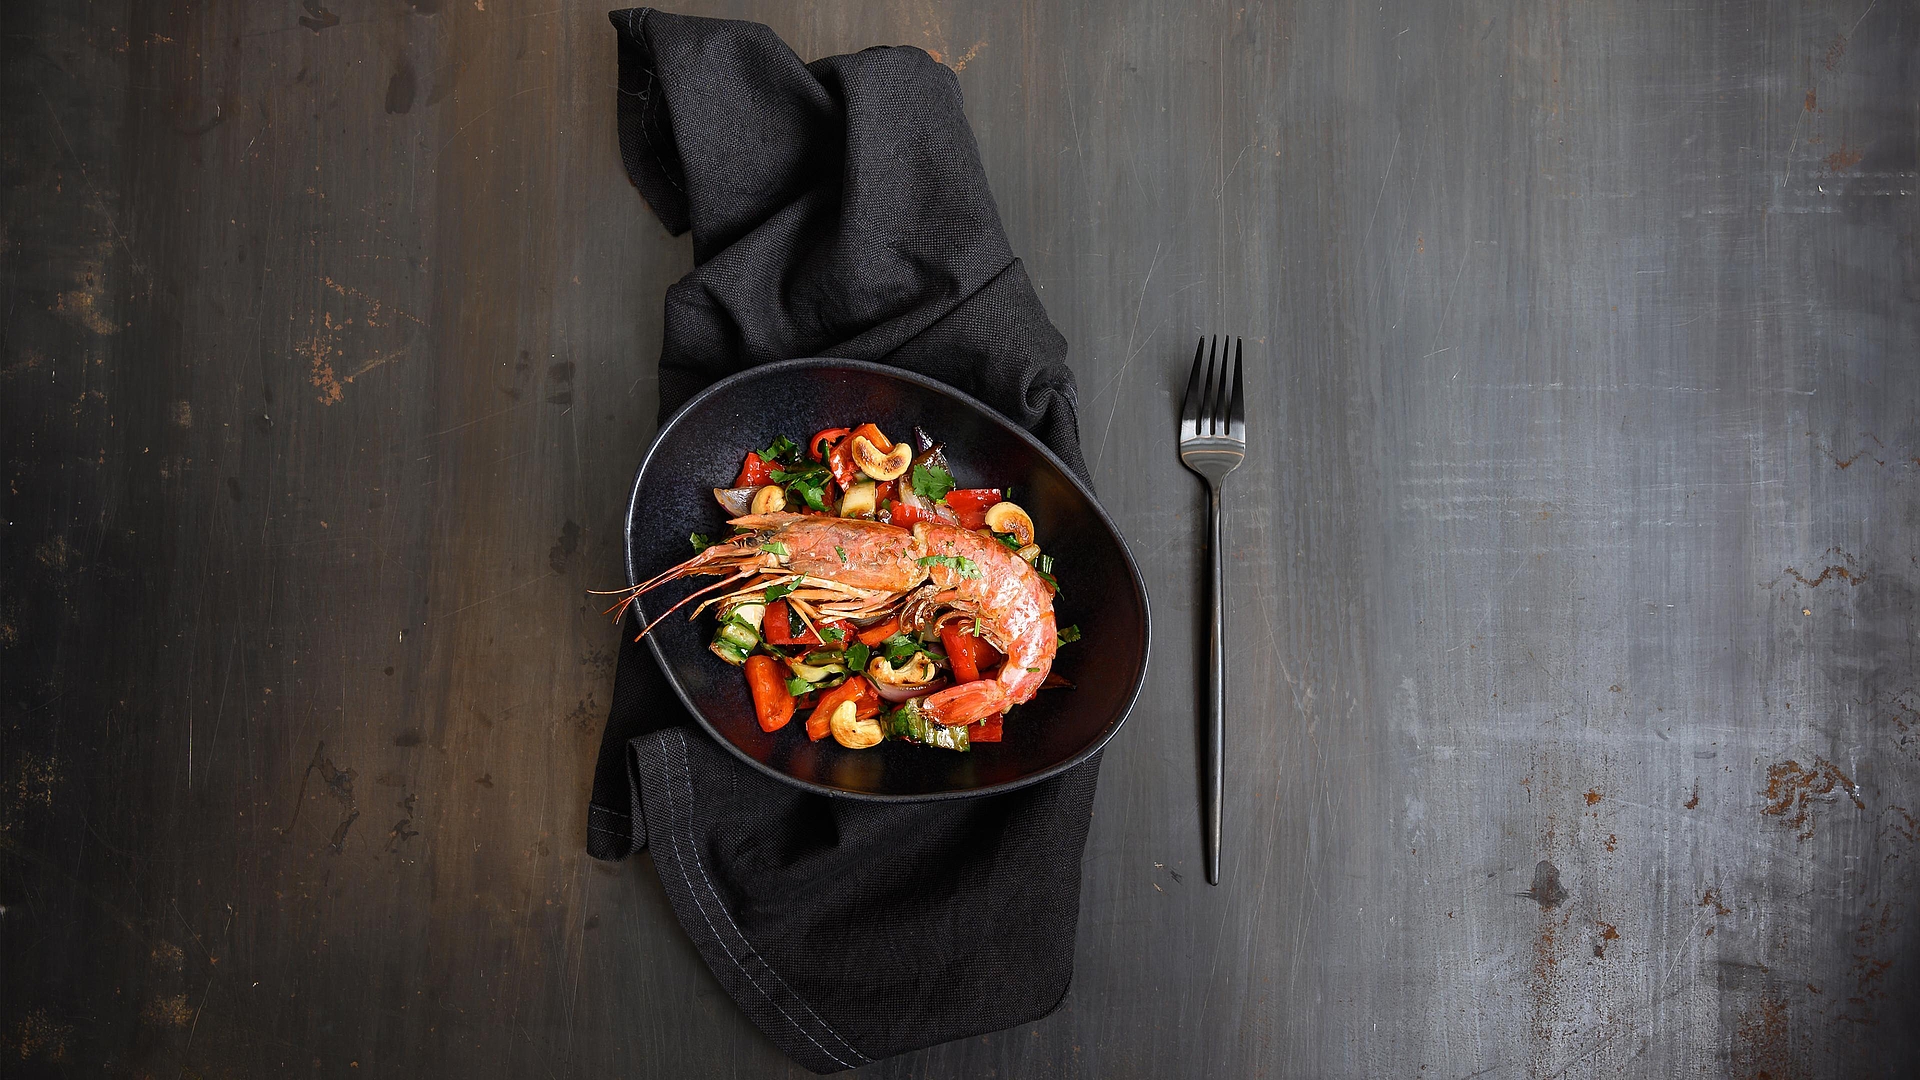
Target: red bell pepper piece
(970, 656)
(987, 730)
(840, 463)
(866, 703)
(959, 651)
(906, 516)
(830, 436)
(772, 704)
(776, 626)
(880, 442)
(971, 505)
(755, 471)
(879, 632)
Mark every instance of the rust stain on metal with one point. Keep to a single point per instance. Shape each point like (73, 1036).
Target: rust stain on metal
(1844, 158)
(1792, 791)
(1846, 570)
(1608, 932)
(1762, 1049)
(1869, 968)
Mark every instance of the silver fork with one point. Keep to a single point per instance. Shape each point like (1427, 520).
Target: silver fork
(1213, 439)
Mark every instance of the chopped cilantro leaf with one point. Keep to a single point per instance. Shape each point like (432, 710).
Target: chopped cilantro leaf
(808, 480)
(831, 634)
(857, 657)
(842, 552)
(1043, 565)
(700, 543)
(775, 592)
(959, 564)
(1070, 635)
(774, 547)
(1007, 541)
(931, 482)
(782, 449)
(898, 647)
(797, 686)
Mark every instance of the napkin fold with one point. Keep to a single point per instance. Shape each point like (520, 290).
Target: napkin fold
(837, 208)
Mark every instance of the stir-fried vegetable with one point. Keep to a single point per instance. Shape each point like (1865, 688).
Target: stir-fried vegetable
(865, 699)
(772, 702)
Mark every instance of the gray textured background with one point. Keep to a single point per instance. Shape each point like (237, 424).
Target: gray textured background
(1574, 563)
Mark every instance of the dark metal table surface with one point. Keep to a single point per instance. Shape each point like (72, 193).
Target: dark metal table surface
(1575, 562)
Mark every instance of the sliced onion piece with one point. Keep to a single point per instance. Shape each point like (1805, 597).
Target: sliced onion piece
(737, 502)
(898, 694)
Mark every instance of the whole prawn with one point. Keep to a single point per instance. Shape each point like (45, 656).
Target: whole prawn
(847, 568)
(839, 568)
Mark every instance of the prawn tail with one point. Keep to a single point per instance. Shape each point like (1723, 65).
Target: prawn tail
(968, 703)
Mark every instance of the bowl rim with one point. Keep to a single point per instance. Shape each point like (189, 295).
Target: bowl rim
(1093, 746)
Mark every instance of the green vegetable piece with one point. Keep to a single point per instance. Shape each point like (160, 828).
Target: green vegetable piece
(832, 633)
(748, 613)
(740, 635)
(1043, 565)
(898, 647)
(909, 723)
(700, 543)
(959, 564)
(1070, 635)
(775, 592)
(842, 552)
(931, 482)
(783, 449)
(857, 657)
(807, 481)
(774, 547)
(797, 686)
(948, 738)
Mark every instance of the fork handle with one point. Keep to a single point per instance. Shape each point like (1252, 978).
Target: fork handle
(1216, 686)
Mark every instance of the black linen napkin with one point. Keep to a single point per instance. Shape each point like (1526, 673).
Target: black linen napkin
(838, 208)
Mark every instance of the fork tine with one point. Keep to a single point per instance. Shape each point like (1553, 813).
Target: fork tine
(1190, 405)
(1220, 393)
(1237, 410)
(1210, 388)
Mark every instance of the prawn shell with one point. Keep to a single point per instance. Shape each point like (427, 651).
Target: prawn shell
(851, 551)
(1013, 606)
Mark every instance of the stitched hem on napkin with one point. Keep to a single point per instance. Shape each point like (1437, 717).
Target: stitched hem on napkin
(666, 776)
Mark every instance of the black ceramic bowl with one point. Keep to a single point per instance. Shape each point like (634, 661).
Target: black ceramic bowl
(701, 447)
